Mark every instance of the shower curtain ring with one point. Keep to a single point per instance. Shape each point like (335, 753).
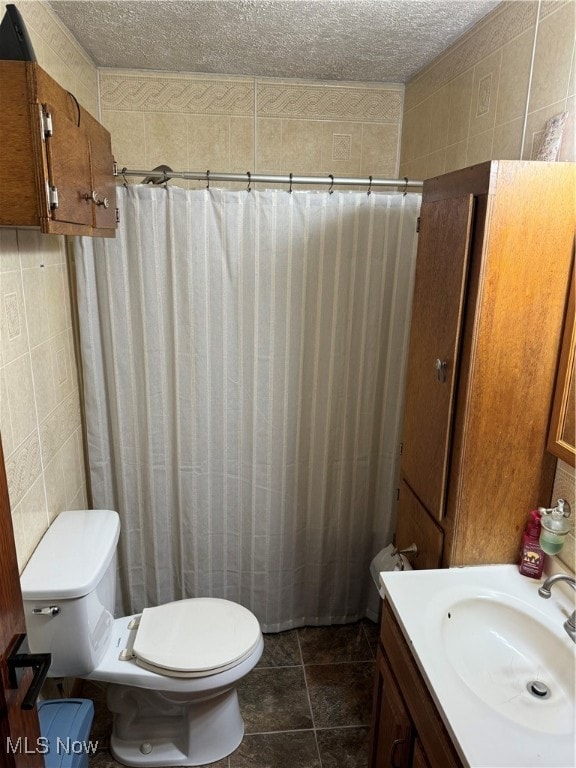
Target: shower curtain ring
(405, 190)
(249, 188)
(290, 188)
(331, 189)
(207, 179)
(369, 185)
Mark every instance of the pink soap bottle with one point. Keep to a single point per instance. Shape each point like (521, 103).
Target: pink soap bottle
(531, 553)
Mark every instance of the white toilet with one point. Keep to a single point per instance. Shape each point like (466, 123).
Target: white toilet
(172, 671)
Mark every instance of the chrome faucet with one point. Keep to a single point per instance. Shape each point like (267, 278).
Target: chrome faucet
(545, 591)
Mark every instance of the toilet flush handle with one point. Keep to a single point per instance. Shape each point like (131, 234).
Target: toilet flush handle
(50, 610)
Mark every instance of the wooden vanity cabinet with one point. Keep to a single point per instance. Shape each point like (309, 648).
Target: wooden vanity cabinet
(407, 730)
(57, 170)
(492, 272)
(396, 733)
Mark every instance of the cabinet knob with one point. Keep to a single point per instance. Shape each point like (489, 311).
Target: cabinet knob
(441, 366)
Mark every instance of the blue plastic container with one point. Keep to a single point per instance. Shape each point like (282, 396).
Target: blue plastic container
(65, 732)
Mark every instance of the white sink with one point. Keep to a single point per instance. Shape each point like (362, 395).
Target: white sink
(497, 659)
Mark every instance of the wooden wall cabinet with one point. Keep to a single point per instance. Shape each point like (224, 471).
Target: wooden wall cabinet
(57, 169)
(492, 273)
(407, 730)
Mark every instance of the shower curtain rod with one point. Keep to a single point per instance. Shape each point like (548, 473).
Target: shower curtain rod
(161, 177)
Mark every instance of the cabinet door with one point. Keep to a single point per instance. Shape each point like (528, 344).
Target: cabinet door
(66, 152)
(415, 526)
(419, 759)
(393, 731)
(101, 169)
(68, 168)
(438, 305)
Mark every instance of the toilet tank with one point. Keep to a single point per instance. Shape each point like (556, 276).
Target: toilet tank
(69, 590)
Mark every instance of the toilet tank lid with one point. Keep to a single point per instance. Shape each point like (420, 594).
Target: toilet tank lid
(72, 556)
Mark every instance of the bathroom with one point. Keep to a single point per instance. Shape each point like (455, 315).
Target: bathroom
(522, 54)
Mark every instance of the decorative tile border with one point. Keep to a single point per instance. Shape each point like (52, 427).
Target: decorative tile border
(550, 6)
(326, 102)
(166, 93)
(190, 94)
(506, 22)
(47, 24)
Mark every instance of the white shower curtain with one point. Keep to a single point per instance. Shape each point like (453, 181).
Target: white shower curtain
(243, 358)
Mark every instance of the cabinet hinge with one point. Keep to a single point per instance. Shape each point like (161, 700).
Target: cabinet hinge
(418, 224)
(117, 215)
(53, 197)
(46, 122)
(401, 448)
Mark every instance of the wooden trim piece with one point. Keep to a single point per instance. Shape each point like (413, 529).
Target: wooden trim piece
(477, 180)
(561, 444)
(15, 722)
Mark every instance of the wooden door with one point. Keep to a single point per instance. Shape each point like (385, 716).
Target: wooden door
(437, 316)
(19, 730)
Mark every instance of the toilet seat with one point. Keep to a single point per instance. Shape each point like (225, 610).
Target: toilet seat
(195, 637)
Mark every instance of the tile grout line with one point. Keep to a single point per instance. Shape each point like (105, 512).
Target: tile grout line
(368, 641)
(309, 699)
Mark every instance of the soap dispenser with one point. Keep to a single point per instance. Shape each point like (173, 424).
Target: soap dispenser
(531, 554)
(554, 526)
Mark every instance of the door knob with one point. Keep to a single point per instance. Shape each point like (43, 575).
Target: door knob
(441, 366)
(40, 663)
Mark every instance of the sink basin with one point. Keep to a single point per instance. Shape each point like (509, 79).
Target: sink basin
(511, 661)
(497, 661)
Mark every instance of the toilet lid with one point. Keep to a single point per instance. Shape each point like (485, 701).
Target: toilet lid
(195, 637)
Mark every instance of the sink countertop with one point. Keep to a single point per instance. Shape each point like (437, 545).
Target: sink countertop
(479, 635)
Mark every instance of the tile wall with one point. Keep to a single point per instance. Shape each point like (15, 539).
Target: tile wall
(489, 96)
(216, 123)
(39, 403)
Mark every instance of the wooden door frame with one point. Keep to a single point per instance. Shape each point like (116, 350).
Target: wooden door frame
(19, 729)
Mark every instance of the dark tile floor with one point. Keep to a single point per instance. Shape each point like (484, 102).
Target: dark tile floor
(306, 705)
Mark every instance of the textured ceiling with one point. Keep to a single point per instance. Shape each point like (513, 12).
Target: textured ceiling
(362, 40)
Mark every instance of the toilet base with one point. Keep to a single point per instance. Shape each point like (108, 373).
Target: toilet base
(158, 729)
